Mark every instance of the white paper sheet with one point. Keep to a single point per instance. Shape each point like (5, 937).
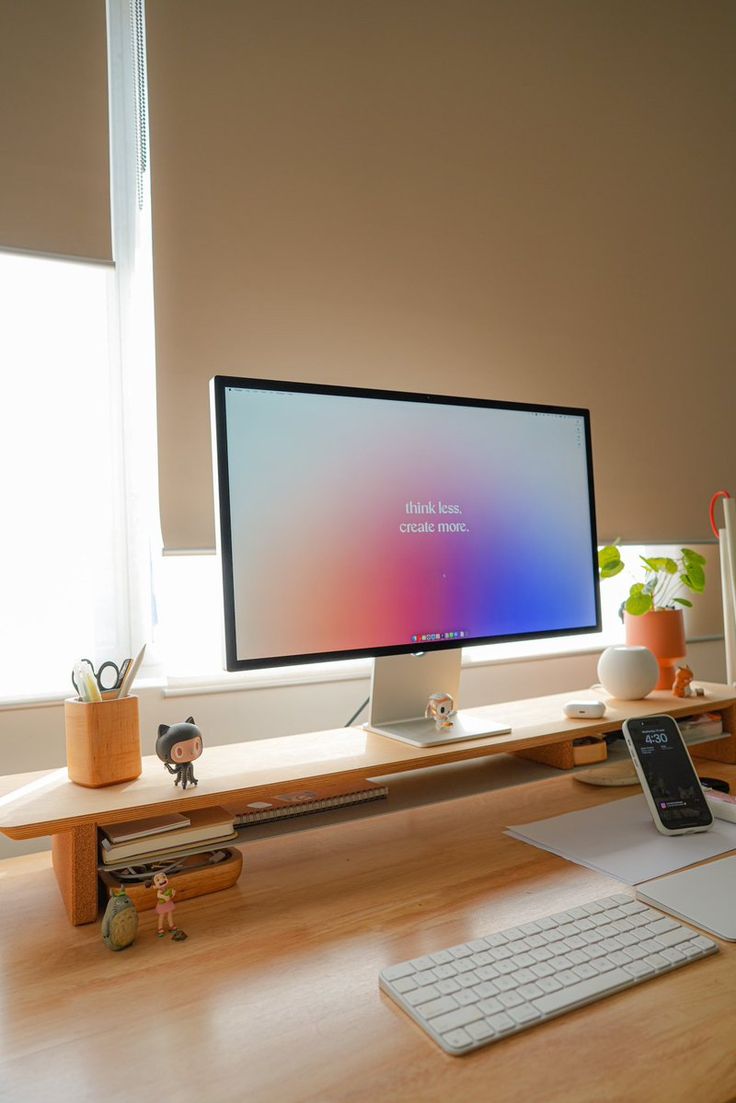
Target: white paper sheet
(620, 840)
(705, 896)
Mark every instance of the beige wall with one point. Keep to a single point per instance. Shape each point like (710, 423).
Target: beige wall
(54, 183)
(528, 200)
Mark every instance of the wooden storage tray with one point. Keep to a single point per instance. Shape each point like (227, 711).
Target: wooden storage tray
(197, 882)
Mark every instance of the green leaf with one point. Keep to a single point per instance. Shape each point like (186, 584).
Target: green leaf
(638, 602)
(683, 601)
(609, 562)
(689, 556)
(661, 564)
(694, 579)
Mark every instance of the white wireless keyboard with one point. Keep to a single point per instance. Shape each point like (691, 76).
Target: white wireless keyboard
(469, 995)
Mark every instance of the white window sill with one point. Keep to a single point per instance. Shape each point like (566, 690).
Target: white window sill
(360, 670)
(357, 671)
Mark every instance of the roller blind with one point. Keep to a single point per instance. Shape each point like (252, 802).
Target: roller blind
(529, 201)
(54, 184)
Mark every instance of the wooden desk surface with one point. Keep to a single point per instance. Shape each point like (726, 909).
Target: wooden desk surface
(274, 996)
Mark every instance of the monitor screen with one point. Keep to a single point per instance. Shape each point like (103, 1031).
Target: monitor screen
(357, 522)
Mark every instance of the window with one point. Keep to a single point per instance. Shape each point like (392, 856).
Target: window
(62, 549)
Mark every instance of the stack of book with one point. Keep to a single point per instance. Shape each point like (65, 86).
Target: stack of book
(159, 837)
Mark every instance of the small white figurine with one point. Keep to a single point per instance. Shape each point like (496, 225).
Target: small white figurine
(440, 708)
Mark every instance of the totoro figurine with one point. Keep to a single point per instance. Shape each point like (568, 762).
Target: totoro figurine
(120, 921)
(178, 746)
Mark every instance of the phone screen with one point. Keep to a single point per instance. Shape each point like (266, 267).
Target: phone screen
(669, 773)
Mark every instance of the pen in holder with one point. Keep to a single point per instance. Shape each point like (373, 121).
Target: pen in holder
(103, 740)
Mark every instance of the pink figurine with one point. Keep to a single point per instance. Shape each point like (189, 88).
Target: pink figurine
(440, 708)
(165, 903)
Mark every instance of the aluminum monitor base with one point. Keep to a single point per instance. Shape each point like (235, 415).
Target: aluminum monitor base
(423, 733)
(400, 689)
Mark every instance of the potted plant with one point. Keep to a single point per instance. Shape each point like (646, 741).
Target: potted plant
(652, 612)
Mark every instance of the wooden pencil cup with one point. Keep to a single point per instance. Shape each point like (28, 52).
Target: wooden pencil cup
(103, 741)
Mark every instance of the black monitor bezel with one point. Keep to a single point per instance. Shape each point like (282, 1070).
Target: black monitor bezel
(220, 383)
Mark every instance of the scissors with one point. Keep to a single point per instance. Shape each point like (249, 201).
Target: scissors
(108, 677)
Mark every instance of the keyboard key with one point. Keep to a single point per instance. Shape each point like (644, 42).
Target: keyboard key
(465, 997)
(549, 984)
(524, 1014)
(405, 984)
(530, 928)
(675, 937)
(447, 987)
(525, 961)
(464, 965)
(581, 992)
(466, 980)
(497, 940)
(663, 961)
(454, 1019)
(529, 991)
(437, 1007)
(502, 1022)
(487, 988)
(638, 969)
(504, 984)
(662, 925)
(523, 976)
(632, 906)
(422, 995)
(480, 1031)
(542, 969)
(534, 941)
(457, 1039)
(506, 967)
(546, 923)
(420, 963)
(394, 972)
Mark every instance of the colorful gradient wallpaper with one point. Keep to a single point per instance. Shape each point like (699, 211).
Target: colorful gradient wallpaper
(365, 523)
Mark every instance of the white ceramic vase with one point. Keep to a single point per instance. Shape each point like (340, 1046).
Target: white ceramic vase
(628, 673)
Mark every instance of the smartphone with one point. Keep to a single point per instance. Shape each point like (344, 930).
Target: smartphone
(667, 775)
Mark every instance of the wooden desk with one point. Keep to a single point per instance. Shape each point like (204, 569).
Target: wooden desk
(274, 996)
(47, 803)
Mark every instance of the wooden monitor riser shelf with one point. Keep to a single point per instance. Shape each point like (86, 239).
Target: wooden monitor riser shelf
(47, 803)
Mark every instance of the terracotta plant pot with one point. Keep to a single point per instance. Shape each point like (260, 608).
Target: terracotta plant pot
(663, 632)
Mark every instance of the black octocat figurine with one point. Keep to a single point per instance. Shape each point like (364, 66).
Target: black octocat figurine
(178, 746)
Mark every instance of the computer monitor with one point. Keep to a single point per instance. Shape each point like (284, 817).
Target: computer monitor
(357, 522)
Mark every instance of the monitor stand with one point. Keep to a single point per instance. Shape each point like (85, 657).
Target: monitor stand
(400, 689)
